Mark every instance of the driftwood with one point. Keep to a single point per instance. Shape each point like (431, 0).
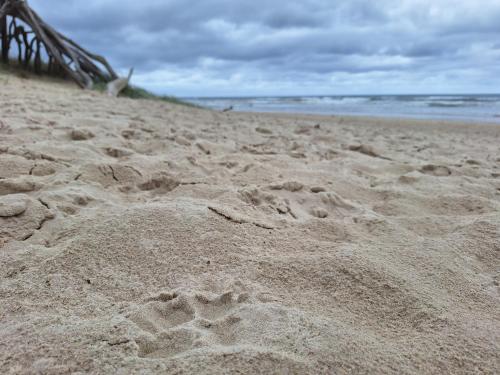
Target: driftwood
(116, 86)
(37, 40)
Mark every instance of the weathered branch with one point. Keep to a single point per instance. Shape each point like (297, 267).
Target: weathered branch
(118, 85)
(63, 53)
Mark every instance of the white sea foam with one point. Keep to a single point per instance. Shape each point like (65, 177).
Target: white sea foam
(458, 107)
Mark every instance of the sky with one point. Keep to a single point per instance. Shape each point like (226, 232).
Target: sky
(194, 48)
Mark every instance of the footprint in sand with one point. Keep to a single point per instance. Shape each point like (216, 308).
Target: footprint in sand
(269, 202)
(365, 149)
(262, 130)
(109, 175)
(117, 152)
(167, 343)
(12, 166)
(436, 170)
(318, 189)
(329, 203)
(220, 315)
(291, 186)
(23, 184)
(222, 323)
(215, 307)
(159, 183)
(44, 168)
(21, 216)
(130, 134)
(182, 141)
(175, 323)
(164, 312)
(292, 198)
(319, 212)
(81, 135)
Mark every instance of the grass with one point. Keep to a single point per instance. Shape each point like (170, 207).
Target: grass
(131, 92)
(14, 68)
(134, 92)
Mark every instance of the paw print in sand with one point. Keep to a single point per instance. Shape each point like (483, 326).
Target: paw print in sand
(174, 323)
(165, 311)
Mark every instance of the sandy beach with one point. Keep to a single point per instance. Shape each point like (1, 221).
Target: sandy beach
(141, 237)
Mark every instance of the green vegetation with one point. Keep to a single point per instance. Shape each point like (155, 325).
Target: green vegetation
(14, 68)
(134, 92)
(27, 72)
(131, 92)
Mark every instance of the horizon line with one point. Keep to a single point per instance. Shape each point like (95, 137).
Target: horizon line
(332, 95)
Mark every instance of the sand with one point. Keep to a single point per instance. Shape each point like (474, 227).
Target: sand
(141, 237)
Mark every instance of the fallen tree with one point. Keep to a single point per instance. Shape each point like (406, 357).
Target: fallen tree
(37, 40)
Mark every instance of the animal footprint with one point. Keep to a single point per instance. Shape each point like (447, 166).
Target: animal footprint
(268, 202)
(160, 183)
(164, 312)
(214, 308)
(221, 316)
(319, 212)
(167, 344)
(436, 170)
(173, 323)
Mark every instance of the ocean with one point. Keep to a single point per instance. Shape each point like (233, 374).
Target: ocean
(478, 108)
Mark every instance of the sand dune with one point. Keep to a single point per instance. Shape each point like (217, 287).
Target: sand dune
(143, 237)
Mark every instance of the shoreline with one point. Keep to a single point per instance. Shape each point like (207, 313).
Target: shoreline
(373, 119)
(389, 118)
(468, 108)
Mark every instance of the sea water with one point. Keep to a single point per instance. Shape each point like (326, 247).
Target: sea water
(479, 108)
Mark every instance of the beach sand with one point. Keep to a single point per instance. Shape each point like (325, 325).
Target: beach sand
(144, 237)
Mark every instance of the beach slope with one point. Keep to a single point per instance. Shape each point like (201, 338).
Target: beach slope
(145, 237)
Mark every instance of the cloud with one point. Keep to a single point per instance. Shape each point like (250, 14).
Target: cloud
(221, 47)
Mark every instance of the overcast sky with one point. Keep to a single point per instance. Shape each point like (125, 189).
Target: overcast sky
(289, 47)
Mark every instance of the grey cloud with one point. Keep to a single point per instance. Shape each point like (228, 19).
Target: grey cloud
(307, 41)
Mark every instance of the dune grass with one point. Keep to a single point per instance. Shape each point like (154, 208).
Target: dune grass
(15, 69)
(132, 92)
